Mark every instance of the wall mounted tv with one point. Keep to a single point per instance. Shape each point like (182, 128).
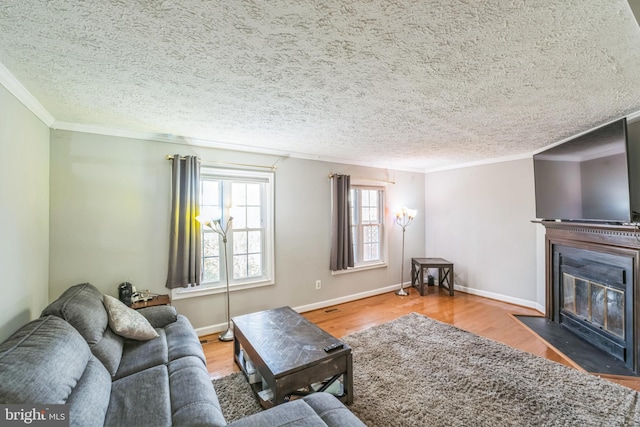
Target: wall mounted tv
(592, 177)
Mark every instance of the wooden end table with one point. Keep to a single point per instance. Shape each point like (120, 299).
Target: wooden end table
(445, 273)
(155, 300)
(288, 352)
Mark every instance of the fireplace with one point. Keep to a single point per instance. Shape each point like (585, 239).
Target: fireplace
(593, 298)
(592, 272)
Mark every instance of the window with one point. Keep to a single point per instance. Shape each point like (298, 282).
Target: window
(247, 197)
(367, 224)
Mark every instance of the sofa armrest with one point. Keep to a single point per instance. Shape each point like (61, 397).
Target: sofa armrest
(317, 409)
(159, 316)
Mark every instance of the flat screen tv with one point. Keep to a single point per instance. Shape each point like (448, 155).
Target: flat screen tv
(593, 177)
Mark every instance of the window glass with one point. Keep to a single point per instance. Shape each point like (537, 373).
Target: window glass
(247, 197)
(367, 224)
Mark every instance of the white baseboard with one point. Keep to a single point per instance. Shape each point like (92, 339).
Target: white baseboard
(220, 327)
(347, 298)
(504, 298)
(212, 329)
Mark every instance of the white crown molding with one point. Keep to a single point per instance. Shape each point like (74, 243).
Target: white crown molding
(8, 80)
(481, 163)
(13, 85)
(102, 130)
(111, 131)
(632, 117)
(175, 139)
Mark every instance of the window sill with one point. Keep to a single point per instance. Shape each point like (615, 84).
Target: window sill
(363, 267)
(184, 293)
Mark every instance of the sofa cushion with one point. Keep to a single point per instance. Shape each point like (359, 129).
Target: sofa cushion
(42, 362)
(193, 398)
(317, 409)
(332, 411)
(176, 340)
(81, 306)
(89, 400)
(127, 322)
(141, 355)
(109, 350)
(295, 413)
(141, 399)
(182, 340)
(160, 315)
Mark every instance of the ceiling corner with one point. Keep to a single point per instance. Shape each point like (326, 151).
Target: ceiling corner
(13, 85)
(635, 8)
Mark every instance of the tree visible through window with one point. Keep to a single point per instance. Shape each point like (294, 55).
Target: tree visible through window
(367, 222)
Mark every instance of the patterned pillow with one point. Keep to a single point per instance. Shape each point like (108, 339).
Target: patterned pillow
(126, 322)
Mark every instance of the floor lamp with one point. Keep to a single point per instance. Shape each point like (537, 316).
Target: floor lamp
(222, 231)
(404, 217)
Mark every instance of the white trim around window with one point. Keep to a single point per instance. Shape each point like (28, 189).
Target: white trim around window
(224, 207)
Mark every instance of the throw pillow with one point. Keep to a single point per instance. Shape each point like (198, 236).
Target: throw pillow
(126, 322)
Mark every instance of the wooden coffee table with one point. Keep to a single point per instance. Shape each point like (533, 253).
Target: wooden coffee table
(288, 354)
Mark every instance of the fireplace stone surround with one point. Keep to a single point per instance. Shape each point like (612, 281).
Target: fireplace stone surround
(591, 276)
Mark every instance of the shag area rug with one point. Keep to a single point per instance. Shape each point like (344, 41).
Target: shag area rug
(416, 371)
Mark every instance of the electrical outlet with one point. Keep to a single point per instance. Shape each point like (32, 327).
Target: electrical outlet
(318, 284)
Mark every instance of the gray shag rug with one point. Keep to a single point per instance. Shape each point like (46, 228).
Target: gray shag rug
(416, 371)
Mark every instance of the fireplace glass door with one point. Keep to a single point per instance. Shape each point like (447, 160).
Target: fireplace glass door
(598, 304)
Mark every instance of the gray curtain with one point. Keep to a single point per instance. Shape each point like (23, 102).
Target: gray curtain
(185, 239)
(341, 237)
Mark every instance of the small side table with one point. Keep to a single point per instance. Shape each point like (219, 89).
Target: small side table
(445, 272)
(156, 300)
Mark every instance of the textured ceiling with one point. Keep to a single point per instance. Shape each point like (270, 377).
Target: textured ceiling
(393, 83)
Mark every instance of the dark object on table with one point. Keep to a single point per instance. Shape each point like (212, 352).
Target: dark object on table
(125, 291)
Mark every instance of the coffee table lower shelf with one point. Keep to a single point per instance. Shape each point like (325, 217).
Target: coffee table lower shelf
(334, 384)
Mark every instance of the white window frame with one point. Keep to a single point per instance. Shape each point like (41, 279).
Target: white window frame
(268, 276)
(360, 265)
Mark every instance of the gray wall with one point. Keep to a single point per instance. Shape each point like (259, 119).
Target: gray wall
(24, 214)
(110, 216)
(479, 218)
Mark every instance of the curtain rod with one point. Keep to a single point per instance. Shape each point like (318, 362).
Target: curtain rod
(170, 157)
(331, 175)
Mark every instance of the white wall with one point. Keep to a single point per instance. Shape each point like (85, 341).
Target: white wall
(479, 218)
(110, 216)
(24, 214)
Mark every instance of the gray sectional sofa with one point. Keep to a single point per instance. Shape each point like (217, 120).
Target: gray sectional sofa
(71, 355)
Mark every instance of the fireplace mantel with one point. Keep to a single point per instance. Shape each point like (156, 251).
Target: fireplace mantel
(626, 236)
(619, 240)
(608, 238)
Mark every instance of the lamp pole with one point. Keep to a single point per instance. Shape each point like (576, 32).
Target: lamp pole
(228, 334)
(404, 217)
(222, 231)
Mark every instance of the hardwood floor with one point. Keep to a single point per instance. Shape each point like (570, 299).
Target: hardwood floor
(486, 317)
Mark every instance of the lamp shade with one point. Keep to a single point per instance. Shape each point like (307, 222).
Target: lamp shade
(405, 211)
(204, 220)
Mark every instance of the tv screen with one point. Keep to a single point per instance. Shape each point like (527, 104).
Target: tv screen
(586, 178)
